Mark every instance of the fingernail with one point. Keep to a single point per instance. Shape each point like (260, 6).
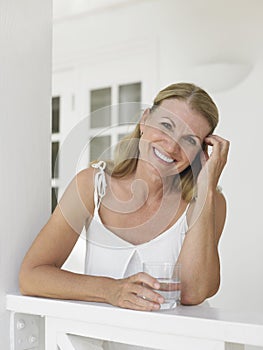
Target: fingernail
(156, 285)
(160, 300)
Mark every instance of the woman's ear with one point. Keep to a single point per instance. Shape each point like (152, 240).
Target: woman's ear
(144, 117)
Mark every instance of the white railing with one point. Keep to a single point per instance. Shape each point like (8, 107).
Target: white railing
(38, 323)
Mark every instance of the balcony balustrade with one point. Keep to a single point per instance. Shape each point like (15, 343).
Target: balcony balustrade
(50, 324)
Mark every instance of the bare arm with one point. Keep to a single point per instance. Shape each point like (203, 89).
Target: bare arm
(199, 255)
(41, 273)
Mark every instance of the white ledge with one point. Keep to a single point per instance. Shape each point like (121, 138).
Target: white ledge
(201, 322)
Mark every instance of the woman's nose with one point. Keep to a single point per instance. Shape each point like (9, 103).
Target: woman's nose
(172, 145)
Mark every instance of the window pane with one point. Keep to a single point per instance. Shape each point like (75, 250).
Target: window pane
(53, 198)
(55, 148)
(100, 148)
(55, 114)
(129, 112)
(100, 102)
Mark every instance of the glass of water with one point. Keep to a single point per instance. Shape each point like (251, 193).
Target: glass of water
(169, 276)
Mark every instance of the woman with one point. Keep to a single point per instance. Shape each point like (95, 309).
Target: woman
(161, 187)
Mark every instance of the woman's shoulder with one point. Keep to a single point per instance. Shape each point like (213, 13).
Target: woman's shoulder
(84, 184)
(85, 178)
(86, 174)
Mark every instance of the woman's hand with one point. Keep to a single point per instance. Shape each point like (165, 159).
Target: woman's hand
(213, 164)
(136, 292)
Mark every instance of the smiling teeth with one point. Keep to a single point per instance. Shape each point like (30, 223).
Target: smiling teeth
(162, 156)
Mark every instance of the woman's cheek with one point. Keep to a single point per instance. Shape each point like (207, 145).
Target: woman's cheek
(191, 155)
(188, 156)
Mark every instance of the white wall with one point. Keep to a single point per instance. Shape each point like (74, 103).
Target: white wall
(25, 90)
(219, 45)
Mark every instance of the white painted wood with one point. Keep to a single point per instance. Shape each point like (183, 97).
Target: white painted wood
(232, 346)
(50, 334)
(134, 336)
(63, 342)
(203, 325)
(85, 343)
(26, 331)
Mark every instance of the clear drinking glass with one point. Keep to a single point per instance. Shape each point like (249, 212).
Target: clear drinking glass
(169, 276)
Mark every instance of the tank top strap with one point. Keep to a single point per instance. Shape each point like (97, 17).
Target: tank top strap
(100, 183)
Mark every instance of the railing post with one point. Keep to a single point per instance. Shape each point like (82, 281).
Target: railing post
(50, 334)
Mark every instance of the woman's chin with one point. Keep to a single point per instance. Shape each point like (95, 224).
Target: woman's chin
(160, 169)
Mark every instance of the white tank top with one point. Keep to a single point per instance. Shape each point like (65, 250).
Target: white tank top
(111, 256)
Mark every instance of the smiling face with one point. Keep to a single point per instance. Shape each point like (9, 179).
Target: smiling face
(173, 135)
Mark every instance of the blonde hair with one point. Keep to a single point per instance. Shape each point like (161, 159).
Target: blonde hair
(127, 150)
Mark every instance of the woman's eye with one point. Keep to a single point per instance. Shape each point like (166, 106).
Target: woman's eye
(167, 126)
(191, 140)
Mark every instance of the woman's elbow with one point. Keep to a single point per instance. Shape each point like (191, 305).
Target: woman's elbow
(192, 299)
(24, 282)
(198, 297)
